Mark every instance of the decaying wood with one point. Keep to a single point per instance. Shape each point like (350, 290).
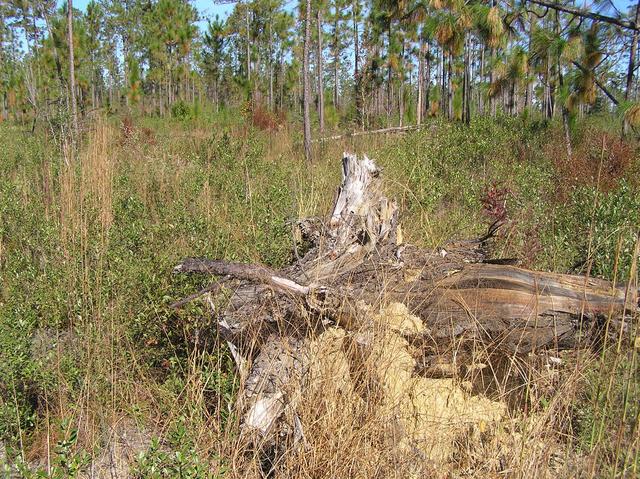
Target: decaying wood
(392, 129)
(358, 261)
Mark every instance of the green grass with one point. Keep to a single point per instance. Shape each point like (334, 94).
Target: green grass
(86, 253)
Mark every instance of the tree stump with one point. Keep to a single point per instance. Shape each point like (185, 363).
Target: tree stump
(357, 262)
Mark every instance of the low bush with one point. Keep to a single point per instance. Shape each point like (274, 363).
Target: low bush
(87, 247)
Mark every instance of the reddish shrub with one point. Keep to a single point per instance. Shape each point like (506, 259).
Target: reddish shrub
(148, 136)
(494, 202)
(129, 133)
(266, 120)
(600, 159)
(127, 129)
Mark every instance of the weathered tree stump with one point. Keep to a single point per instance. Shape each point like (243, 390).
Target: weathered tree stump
(358, 261)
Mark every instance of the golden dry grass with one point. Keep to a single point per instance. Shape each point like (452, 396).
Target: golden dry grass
(119, 399)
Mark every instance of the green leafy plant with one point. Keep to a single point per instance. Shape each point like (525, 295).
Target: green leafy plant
(68, 461)
(178, 459)
(180, 110)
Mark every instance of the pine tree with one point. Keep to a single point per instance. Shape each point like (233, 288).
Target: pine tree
(306, 83)
(214, 56)
(72, 75)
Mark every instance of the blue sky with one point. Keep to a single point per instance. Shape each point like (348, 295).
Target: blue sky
(208, 9)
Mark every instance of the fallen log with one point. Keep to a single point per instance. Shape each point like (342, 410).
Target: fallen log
(381, 131)
(357, 262)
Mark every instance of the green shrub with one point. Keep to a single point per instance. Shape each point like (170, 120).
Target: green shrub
(68, 462)
(592, 223)
(181, 110)
(178, 459)
(95, 306)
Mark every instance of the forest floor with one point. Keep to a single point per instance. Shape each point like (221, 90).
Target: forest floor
(100, 376)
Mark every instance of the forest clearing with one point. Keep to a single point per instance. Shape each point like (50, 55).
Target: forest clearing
(329, 240)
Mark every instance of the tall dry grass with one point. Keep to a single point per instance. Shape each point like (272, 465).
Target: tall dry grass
(120, 398)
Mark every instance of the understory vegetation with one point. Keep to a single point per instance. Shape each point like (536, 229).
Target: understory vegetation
(97, 371)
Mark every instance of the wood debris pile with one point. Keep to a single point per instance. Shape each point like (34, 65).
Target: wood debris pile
(362, 318)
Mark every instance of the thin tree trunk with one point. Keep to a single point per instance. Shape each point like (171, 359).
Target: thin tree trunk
(492, 100)
(401, 89)
(93, 92)
(281, 63)
(466, 92)
(443, 85)
(632, 56)
(565, 112)
(169, 88)
(320, 72)
(529, 95)
(550, 89)
(248, 52)
(389, 94)
(271, 103)
(56, 56)
(154, 99)
(481, 97)
(450, 85)
(306, 86)
(335, 61)
(512, 99)
(72, 73)
(356, 66)
(427, 80)
(420, 83)
(567, 133)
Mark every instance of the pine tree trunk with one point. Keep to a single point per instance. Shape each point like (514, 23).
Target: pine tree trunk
(401, 89)
(529, 95)
(270, 66)
(492, 100)
(72, 73)
(466, 92)
(567, 133)
(632, 56)
(427, 80)
(420, 83)
(450, 86)
(560, 80)
(320, 72)
(356, 67)
(93, 92)
(169, 89)
(481, 97)
(335, 63)
(56, 56)
(389, 94)
(443, 84)
(306, 86)
(549, 90)
(248, 52)
(281, 63)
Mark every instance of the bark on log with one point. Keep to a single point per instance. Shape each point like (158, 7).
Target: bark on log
(358, 261)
